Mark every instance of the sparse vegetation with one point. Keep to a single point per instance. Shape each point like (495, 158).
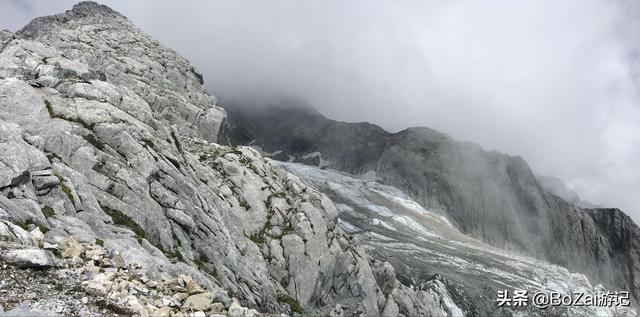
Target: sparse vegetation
(258, 238)
(43, 229)
(293, 304)
(235, 151)
(276, 194)
(50, 109)
(175, 238)
(22, 225)
(86, 125)
(66, 189)
(51, 156)
(91, 138)
(171, 254)
(48, 212)
(221, 152)
(123, 220)
(25, 226)
(100, 242)
(202, 261)
(148, 142)
(81, 121)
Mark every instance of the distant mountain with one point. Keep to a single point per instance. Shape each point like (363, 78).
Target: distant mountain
(427, 253)
(488, 195)
(120, 196)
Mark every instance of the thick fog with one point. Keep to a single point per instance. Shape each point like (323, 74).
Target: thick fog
(553, 81)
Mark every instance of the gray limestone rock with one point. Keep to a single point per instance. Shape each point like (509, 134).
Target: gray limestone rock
(26, 312)
(127, 129)
(489, 195)
(423, 265)
(105, 47)
(33, 258)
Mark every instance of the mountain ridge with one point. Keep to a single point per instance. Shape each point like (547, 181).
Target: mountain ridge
(491, 196)
(111, 170)
(109, 160)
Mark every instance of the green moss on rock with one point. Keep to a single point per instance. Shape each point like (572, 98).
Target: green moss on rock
(121, 219)
(48, 212)
(293, 304)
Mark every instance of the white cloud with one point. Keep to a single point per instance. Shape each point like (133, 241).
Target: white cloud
(554, 82)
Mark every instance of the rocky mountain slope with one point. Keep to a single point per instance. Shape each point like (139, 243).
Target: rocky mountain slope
(427, 252)
(489, 195)
(107, 139)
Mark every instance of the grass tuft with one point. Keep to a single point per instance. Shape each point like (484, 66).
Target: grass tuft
(52, 114)
(81, 121)
(258, 238)
(293, 304)
(48, 212)
(123, 220)
(66, 189)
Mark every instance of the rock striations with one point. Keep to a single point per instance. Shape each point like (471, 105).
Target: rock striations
(108, 144)
(425, 251)
(488, 195)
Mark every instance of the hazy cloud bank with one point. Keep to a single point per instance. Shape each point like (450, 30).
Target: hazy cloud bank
(554, 82)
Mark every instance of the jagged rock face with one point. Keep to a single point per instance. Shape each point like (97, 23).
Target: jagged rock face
(105, 136)
(488, 195)
(425, 252)
(116, 50)
(298, 133)
(621, 236)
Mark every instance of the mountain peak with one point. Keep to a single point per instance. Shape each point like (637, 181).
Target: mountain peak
(84, 9)
(89, 8)
(120, 52)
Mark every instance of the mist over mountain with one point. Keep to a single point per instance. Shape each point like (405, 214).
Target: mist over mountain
(346, 166)
(488, 195)
(555, 83)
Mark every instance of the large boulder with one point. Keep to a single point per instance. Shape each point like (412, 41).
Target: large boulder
(29, 258)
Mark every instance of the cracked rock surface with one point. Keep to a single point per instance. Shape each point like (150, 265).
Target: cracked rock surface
(488, 195)
(108, 139)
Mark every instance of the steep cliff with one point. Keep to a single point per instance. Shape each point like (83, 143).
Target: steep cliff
(428, 253)
(488, 195)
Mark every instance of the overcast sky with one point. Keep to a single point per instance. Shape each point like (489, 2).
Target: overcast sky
(553, 81)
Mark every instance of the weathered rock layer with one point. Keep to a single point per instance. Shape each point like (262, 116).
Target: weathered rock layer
(107, 137)
(488, 195)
